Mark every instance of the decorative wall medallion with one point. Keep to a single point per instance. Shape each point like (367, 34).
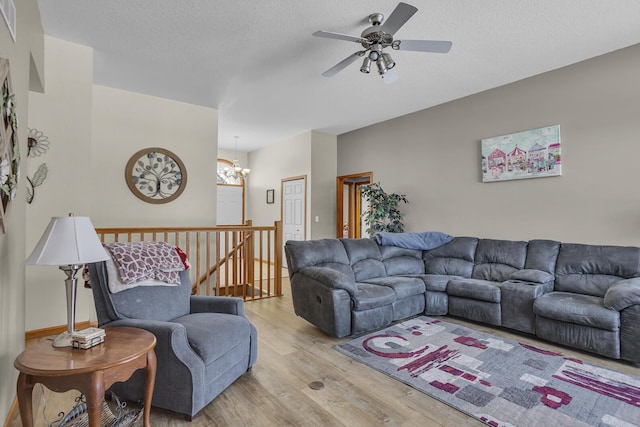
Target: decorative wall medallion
(9, 148)
(156, 175)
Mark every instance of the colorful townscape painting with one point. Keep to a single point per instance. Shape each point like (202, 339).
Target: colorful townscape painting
(529, 154)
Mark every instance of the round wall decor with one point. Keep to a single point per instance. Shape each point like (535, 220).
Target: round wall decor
(156, 175)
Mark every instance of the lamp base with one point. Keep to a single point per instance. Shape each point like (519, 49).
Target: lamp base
(63, 340)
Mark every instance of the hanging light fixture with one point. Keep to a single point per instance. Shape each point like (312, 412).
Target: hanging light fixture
(236, 171)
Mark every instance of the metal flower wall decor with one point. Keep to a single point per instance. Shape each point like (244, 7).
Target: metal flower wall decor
(37, 144)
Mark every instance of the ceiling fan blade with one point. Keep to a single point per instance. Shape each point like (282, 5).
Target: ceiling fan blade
(434, 46)
(391, 76)
(398, 18)
(338, 36)
(342, 64)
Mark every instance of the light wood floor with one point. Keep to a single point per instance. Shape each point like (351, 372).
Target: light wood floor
(292, 354)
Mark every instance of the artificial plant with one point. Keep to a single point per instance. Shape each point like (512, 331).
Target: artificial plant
(383, 213)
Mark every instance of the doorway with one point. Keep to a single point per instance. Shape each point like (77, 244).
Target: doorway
(349, 204)
(294, 209)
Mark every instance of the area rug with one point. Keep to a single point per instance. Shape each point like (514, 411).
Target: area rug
(497, 381)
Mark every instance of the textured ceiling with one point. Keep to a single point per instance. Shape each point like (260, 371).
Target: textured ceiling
(257, 62)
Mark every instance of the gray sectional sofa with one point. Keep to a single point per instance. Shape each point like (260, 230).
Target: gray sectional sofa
(582, 296)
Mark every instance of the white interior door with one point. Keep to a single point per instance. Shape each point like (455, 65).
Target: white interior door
(294, 201)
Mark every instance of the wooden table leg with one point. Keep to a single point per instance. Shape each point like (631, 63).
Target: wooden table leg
(25, 396)
(150, 374)
(94, 398)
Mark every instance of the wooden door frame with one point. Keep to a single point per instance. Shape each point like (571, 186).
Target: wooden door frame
(340, 183)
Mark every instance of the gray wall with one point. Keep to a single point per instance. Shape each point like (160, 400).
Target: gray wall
(433, 156)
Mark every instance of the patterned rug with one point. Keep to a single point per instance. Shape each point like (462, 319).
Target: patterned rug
(497, 381)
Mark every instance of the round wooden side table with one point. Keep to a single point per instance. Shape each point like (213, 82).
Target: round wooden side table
(91, 371)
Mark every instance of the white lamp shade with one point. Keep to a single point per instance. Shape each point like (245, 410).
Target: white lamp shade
(68, 240)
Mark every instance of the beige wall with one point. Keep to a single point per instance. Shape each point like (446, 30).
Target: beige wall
(63, 114)
(324, 150)
(125, 122)
(94, 130)
(433, 156)
(311, 154)
(27, 48)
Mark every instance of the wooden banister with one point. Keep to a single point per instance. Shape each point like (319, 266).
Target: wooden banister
(243, 261)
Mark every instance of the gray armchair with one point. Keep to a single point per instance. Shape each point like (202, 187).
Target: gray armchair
(203, 343)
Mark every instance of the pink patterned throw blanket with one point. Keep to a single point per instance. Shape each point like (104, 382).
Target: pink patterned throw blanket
(140, 261)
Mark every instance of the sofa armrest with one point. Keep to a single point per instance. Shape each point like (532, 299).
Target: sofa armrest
(330, 278)
(623, 294)
(208, 304)
(532, 276)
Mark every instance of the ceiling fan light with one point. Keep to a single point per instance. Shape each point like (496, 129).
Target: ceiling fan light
(382, 68)
(388, 61)
(366, 66)
(374, 55)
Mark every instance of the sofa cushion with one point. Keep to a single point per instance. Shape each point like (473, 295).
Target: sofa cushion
(400, 261)
(496, 260)
(163, 303)
(372, 296)
(592, 269)
(533, 276)
(365, 258)
(481, 290)
(319, 253)
(542, 255)
(580, 309)
(436, 282)
(454, 258)
(402, 286)
(209, 343)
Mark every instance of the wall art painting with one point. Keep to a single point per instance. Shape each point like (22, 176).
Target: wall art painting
(9, 148)
(528, 154)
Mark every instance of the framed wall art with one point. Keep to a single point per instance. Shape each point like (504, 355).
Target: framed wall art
(270, 196)
(528, 154)
(9, 148)
(156, 175)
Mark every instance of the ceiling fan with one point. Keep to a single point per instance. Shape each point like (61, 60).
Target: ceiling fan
(380, 36)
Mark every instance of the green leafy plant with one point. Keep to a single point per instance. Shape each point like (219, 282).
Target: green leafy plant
(383, 213)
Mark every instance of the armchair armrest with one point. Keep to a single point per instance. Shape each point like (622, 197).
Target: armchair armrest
(532, 276)
(623, 294)
(330, 278)
(205, 304)
(172, 344)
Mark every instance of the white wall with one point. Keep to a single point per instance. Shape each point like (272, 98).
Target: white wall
(27, 48)
(94, 130)
(433, 156)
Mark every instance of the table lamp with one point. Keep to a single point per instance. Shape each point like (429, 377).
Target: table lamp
(68, 242)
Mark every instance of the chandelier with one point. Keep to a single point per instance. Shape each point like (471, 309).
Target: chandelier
(236, 171)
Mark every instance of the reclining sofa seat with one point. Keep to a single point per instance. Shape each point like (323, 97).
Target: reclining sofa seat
(453, 260)
(203, 343)
(384, 295)
(587, 308)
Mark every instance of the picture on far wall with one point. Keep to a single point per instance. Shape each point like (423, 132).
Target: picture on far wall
(528, 154)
